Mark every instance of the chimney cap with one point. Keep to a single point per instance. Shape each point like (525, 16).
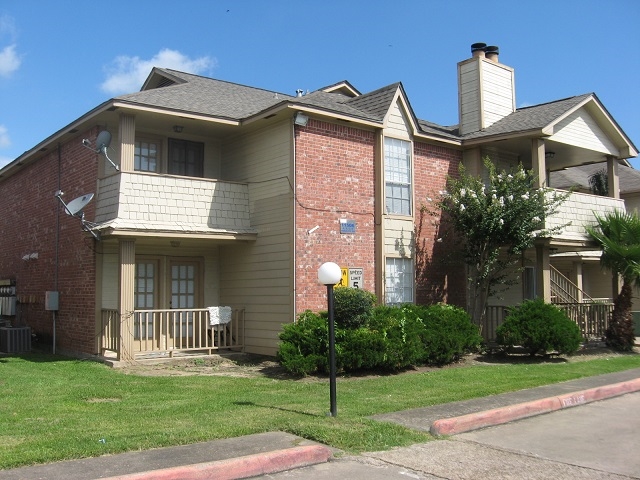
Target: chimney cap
(492, 49)
(478, 49)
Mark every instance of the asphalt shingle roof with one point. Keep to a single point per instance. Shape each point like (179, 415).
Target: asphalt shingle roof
(220, 99)
(529, 118)
(579, 177)
(208, 96)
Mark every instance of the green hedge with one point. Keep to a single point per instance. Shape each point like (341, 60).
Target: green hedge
(539, 328)
(392, 338)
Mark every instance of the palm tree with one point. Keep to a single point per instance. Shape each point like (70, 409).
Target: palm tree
(618, 235)
(599, 182)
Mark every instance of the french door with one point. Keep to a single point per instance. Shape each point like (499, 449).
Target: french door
(184, 294)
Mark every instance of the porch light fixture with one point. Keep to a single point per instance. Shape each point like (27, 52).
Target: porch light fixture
(329, 274)
(549, 154)
(300, 119)
(178, 128)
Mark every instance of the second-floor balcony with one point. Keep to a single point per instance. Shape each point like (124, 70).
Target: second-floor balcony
(142, 202)
(579, 211)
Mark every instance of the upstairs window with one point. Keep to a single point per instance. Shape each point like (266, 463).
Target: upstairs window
(146, 156)
(397, 175)
(186, 158)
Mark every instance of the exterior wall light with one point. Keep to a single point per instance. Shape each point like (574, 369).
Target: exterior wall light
(300, 119)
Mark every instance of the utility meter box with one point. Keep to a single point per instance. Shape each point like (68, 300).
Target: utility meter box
(51, 300)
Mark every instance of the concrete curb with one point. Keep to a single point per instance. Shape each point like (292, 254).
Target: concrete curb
(240, 467)
(498, 416)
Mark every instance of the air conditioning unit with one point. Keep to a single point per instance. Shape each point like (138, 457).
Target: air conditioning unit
(15, 339)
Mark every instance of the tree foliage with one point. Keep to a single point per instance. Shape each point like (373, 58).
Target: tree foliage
(599, 182)
(496, 219)
(618, 235)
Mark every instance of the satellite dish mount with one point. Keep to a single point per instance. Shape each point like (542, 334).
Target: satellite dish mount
(103, 140)
(75, 207)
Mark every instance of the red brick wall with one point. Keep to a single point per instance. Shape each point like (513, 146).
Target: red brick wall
(439, 278)
(29, 225)
(334, 180)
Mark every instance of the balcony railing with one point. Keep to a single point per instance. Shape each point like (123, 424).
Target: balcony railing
(579, 210)
(172, 331)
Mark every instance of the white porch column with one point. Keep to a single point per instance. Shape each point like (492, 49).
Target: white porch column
(473, 164)
(613, 177)
(538, 162)
(577, 269)
(126, 301)
(543, 271)
(127, 134)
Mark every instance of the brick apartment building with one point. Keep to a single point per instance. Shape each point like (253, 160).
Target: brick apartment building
(229, 195)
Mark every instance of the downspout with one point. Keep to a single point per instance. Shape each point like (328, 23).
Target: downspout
(55, 275)
(293, 216)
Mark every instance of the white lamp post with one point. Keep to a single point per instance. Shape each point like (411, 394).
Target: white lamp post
(329, 274)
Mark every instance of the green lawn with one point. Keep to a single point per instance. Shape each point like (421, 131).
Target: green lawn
(54, 408)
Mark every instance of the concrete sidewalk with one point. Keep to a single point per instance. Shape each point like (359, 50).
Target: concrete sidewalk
(266, 453)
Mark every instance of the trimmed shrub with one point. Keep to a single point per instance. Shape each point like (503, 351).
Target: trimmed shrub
(449, 334)
(393, 338)
(539, 328)
(352, 307)
(305, 344)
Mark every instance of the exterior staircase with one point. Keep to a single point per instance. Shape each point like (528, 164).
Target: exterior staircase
(564, 290)
(592, 316)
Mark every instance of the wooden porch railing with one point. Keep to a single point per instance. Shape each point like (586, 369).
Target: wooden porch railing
(592, 318)
(173, 331)
(110, 331)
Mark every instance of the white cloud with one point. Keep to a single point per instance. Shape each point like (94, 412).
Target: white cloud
(127, 74)
(5, 141)
(9, 61)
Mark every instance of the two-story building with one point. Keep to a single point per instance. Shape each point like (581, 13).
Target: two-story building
(211, 194)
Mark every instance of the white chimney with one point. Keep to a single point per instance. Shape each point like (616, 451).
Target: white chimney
(486, 89)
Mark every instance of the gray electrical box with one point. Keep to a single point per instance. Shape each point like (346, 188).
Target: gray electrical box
(51, 300)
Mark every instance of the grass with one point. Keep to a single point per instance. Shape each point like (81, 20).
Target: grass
(54, 408)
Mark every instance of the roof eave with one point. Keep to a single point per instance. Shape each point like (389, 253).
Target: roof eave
(44, 145)
(532, 133)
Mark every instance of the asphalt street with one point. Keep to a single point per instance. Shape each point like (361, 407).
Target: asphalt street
(599, 440)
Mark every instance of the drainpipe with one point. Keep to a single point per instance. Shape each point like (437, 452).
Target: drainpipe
(295, 233)
(55, 275)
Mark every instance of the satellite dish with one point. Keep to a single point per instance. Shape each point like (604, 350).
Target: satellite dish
(103, 141)
(76, 205)
(74, 208)
(102, 144)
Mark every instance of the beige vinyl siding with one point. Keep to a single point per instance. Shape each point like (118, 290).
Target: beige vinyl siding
(632, 203)
(581, 130)
(398, 232)
(396, 124)
(110, 280)
(498, 99)
(469, 88)
(596, 282)
(487, 93)
(257, 275)
(398, 238)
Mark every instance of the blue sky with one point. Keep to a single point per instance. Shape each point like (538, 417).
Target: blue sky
(59, 59)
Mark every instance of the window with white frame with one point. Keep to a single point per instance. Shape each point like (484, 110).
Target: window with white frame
(146, 155)
(397, 175)
(399, 281)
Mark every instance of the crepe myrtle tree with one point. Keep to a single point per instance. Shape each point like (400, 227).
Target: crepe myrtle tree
(495, 219)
